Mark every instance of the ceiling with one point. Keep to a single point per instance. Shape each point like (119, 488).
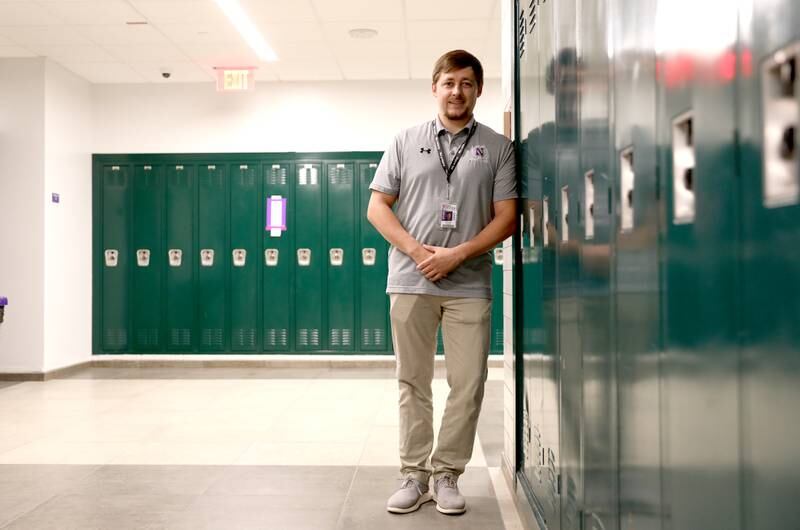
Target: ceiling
(94, 39)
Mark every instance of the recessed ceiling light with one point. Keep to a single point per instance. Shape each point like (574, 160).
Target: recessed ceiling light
(363, 33)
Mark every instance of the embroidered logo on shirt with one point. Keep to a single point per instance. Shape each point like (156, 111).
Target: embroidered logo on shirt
(425, 150)
(479, 152)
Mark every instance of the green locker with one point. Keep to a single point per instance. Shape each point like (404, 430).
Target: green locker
(145, 252)
(115, 258)
(246, 215)
(180, 292)
(212, 243)
(278, 263)
(496, 342)
(341, 256)
(310, 257)
(372, 262)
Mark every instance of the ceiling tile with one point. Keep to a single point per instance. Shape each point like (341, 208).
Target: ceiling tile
(200, 33)
(179, 11)
(463, 9)
(15, 51)
(92, 11)
(123, 34)
(446, 30)
(265, 73)
(383, 10)
(308, 31)
(422, 55)
(288, 52)
(74, 53)
(180, 72)
(387, 31)
(105, 72)
(26, 35)
(26, 14)
(394, 67)
(146, 53)
(270, 11)
(221, 55)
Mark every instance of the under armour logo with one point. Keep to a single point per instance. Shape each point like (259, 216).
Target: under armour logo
(425, 150)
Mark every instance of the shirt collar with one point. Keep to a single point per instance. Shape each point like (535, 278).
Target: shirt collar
(440, 127)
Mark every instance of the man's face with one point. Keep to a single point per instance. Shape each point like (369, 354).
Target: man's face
(456, 93)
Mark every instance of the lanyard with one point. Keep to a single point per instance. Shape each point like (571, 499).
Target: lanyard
(454, 162)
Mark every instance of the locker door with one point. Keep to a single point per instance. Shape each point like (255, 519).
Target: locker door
(145, 253)
(179, 257)
(496, 344)
(340, 257)
(115, 259)
(372, 257)
(244, 256)
(212, 246)
(278, 262)
(309, 256)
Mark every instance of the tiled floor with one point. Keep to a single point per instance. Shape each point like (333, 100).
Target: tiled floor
(238, 448)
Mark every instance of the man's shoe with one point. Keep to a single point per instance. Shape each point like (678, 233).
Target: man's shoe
(445, 493)
(411, 495)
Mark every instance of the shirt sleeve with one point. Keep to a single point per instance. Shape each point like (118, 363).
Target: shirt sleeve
(387, 176)
(505, 180)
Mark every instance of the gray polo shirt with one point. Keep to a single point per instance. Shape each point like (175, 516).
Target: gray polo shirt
(411, 170)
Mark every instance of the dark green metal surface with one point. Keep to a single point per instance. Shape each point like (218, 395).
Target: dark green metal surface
(341, 275)
(179, 297)
(307, 219)
(213, 234)
(246, 215)
(278, 294)
(114, 295)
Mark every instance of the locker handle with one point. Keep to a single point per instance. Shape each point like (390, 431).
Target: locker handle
(336, 256)
(304, 257)
(239, 257)
(368, 256)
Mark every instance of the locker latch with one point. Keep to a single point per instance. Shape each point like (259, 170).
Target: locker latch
(337, 256)
(207, 257)
(304, 257)
(683, 169)
(565, 213)
(271, 257)
(239, 257)
(368, 256)
(143, 257)
(498, 256)
(112, 257)
(627, 183)
(175, 257)
(588, 190)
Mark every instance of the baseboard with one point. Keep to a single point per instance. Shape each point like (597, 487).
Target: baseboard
(45, 376)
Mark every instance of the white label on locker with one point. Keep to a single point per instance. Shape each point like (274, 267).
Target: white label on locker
(243, 166)
(239, 257)
(337, 256)
(114, 168)
(532, 223)
(565, 213)
(207, 257)
(276, 166)
(143, 257)
(308, 176)
(368, 256)
(304, 257)
(546, 221)
(175, 257)
(271, 257)
(212, 167)
(373, 166)
(627, 181)
(112, 257)
(179, 168)
(588, 188)
(148, 168)
(683, 169)
(498, 256)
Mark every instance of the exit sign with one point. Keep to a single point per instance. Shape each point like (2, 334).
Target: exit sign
(235, 79)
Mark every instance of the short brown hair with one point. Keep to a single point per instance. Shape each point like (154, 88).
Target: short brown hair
(456, 60)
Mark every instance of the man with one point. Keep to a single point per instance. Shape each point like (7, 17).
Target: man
(452, 184)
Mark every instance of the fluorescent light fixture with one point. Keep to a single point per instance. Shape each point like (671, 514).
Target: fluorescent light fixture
(247, 29)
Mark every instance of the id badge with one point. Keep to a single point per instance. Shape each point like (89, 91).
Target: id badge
(448, 215)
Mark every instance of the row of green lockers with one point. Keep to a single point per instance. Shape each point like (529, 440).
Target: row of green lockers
(184, 263)
(657, 286)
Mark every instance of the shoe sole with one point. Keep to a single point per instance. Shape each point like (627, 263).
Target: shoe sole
(450, 511)
(425, 497)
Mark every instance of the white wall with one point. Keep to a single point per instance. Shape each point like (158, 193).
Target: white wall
(68, 224)
(321, 116)
(21, 213)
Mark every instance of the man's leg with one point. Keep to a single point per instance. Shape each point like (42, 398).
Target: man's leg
(465, 330)
(415, 319)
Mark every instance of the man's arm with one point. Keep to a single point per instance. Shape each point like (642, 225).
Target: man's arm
(443, 260)
(382, 217)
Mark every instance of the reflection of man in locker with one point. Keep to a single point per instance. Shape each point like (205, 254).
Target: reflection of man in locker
(443, 196)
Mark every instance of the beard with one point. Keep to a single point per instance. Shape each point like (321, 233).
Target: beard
(453, 114)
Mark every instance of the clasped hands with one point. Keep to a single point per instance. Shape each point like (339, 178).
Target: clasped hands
(437, 262)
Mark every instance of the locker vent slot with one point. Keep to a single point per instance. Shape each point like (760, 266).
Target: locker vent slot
(308, 337)
(147, 337)
(179, 180)
(212, 337)
(247, 179)
(277, 337)
(341, 175)
(372, 337)
(341, 337)
(245, 337)
(116, 180)
(116, 337)
(498, 338)
(277, 176)
(180, 337)
(307, 176)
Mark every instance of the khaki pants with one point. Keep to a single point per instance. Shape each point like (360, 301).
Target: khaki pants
(465, 330)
